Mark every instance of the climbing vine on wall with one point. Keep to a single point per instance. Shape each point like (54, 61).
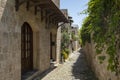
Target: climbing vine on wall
(65, 41)
(103, 23)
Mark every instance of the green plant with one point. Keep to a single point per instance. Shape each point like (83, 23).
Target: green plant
(65, 40)
(103, 24)
(101, 58)
(67, 51)
(74, 37)
(64, 54)
(85, 31)
(65, 43)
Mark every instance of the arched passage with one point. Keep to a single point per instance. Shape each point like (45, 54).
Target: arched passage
(26, 48)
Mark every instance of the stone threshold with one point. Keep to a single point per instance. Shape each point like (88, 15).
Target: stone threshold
(39, 75)
(30, 75)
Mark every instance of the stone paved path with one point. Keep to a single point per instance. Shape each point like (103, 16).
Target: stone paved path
(75, 68)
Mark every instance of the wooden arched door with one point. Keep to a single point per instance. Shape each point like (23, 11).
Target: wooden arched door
(26, 48)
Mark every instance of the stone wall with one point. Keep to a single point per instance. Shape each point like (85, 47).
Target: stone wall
(10, 61)
(10, 40)
(75, 45)
(100, 69)
(75, 42)
(57, 3)
(58, 50)
(65, 12)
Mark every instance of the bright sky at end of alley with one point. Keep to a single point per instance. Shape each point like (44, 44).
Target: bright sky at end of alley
(74, 8)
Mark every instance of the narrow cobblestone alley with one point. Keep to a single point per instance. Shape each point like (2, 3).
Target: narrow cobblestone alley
(75, 68)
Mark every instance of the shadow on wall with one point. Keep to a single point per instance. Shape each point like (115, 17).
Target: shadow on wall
(81, 70)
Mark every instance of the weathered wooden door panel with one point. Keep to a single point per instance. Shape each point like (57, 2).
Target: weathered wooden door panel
(26, 48)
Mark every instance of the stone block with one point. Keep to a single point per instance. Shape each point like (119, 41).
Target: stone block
(2, 57)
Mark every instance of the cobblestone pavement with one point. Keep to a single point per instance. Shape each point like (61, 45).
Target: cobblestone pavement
(75, 68)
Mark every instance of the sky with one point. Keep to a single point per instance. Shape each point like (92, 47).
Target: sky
(74, 8)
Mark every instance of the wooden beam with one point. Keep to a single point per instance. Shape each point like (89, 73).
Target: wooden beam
(54, 21)
(46, 17)
(58, 19)
(50, 19)
(18, 3)
(43, 4)
(36, 10)
(27, 5)
(49, 14)
(54, 15)
(42, 14)
(39, 3)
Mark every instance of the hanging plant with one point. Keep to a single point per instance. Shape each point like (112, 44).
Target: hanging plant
(104, 22)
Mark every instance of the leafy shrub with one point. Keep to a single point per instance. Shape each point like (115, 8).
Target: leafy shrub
(64, 54)
(67, 51)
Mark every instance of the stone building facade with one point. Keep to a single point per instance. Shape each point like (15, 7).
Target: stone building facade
(100, 69)
(59, 37)
(58, 50)
(57, 3)
(75, 42)
(25, 37)
(65, 12)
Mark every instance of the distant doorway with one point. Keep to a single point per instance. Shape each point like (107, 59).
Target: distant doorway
(26, 48)
(51, 57)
